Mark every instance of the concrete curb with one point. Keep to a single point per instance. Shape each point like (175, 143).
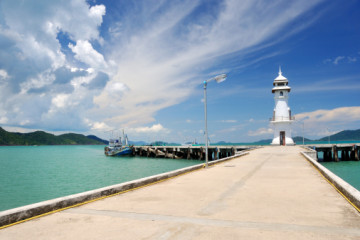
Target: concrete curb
(29, 211)
(346, 189)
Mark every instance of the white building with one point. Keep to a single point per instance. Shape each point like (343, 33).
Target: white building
(282, 118)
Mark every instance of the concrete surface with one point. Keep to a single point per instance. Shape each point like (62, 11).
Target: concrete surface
(272, 193)
(345, 188)
(29, 211)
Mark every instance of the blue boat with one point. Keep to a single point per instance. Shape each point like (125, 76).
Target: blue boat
(117, 148)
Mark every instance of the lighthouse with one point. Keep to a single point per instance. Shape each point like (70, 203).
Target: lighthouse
(282, 118)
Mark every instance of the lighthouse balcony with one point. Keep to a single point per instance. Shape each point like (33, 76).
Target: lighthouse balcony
(282, 119)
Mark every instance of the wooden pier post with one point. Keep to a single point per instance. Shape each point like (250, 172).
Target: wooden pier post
(335, 151)
(352, 154)
(188, 154)
(216, 154)
(210, 152)
(356, 150)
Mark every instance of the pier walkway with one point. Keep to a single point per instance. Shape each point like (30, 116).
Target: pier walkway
(271, 193)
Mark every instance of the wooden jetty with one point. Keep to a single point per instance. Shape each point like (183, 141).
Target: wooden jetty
(188, 152)
(338, 152)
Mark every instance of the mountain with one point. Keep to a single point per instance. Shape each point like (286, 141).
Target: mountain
(43, 138)
(300, 139)
(98, 139)
(137, 143)
(264, 141)
(347, 135)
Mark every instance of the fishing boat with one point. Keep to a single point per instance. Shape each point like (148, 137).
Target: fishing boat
(117, 147)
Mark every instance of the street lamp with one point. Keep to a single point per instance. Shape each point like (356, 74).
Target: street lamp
(219, 78)
(303, 132)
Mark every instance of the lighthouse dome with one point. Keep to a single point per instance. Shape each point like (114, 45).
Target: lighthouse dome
(280, 78)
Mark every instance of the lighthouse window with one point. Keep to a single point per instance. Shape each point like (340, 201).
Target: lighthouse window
(281, 94)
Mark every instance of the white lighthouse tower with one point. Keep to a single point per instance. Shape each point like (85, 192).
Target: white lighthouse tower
(282, 118)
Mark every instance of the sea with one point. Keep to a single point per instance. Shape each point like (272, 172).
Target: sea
(31, 174)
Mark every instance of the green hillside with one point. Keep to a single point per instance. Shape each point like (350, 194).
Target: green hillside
(300, 139)
(347, 135)
(43, 138)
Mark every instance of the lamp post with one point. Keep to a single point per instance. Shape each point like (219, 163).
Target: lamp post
(303, 132)
(219, 78)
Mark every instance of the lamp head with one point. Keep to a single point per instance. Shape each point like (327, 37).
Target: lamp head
(220, 78)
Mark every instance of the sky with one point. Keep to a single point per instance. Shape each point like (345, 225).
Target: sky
(96, 67)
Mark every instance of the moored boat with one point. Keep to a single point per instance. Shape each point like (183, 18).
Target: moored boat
(118, 148)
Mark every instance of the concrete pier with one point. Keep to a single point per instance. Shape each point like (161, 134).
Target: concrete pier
(338, 152)
(189, 152)
(271, 193)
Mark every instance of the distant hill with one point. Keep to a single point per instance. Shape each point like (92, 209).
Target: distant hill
(347, 135)
(161, 143)
(300, 139)
(264, 141)
(98, 139)
(222, 143)
(43, 138)
(137, 143)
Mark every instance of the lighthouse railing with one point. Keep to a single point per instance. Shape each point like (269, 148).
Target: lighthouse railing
(281, 118)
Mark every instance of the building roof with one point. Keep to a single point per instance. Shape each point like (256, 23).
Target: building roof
(280, 78)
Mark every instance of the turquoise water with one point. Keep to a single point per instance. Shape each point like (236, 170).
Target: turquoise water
(30, 174)
(347, 170)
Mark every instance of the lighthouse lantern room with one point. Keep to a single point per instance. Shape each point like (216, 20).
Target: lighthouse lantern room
(282, 118)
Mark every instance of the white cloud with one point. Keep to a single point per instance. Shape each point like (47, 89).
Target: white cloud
(156, 128)
(153, 60)
(85, 53)
(260, 132)
(3, 75)
(41, 80)
(60, 101)
(338, 59)
(43, 91)
(229, 121)
(347, 114)
(161, 62)
(318, 122)
(351, 59)
(3, 120)
(99, 126)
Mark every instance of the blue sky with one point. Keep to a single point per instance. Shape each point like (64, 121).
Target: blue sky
(95, 66)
